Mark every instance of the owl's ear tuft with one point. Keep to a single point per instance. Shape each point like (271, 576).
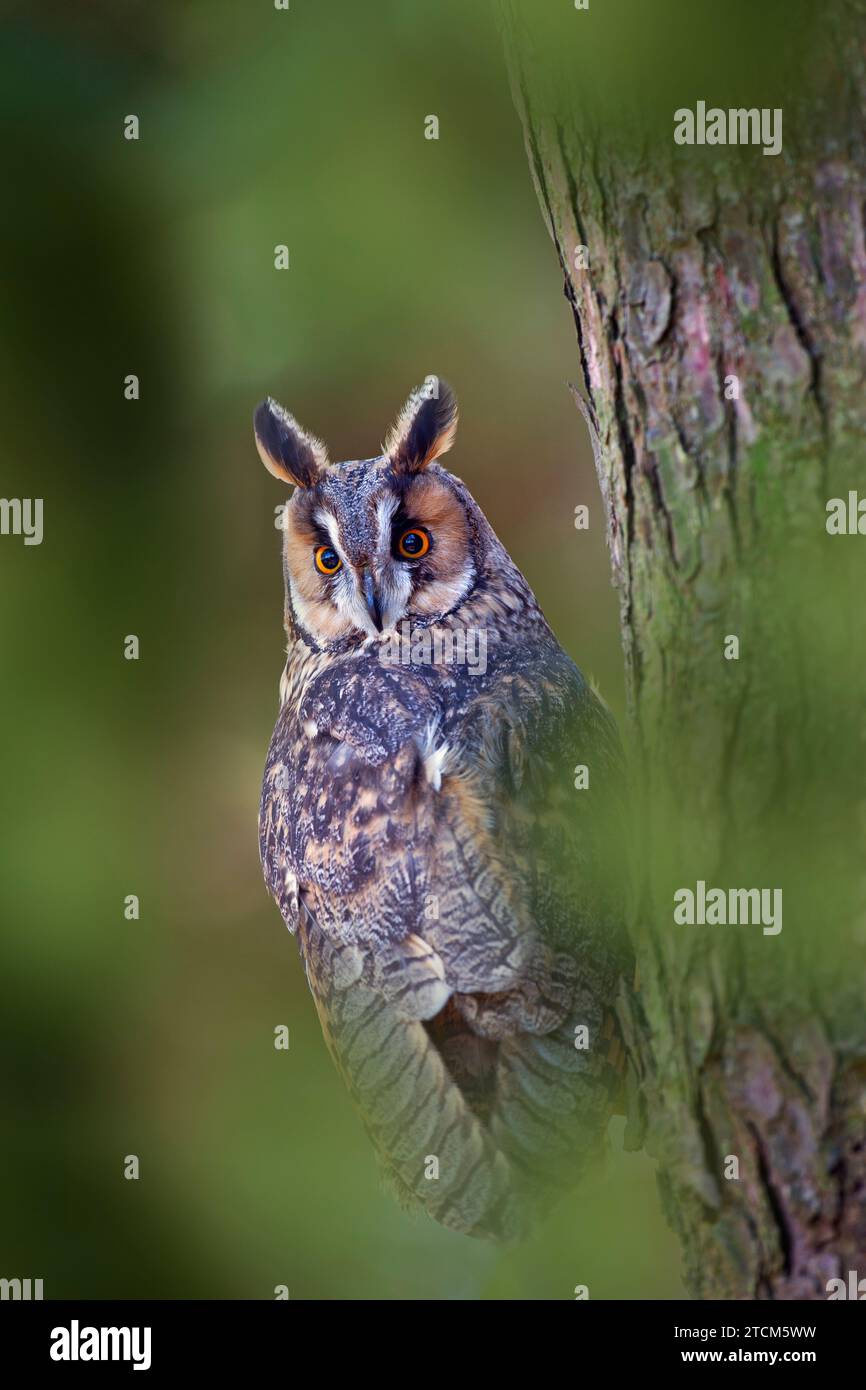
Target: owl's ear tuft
(425, 427)
(285, 449)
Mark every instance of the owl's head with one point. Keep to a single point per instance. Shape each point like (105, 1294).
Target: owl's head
(371, 542)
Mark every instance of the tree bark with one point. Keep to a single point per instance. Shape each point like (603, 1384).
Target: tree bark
(719, 298)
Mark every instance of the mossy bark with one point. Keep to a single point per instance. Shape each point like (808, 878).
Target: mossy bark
(719, 298)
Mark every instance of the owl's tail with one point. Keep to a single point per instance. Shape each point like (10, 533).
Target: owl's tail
(433, 1148)
(479, 1134)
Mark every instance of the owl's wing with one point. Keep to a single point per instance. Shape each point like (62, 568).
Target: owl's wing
(543, 750)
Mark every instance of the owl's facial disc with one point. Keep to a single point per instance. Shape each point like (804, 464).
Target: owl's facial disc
(365, 549)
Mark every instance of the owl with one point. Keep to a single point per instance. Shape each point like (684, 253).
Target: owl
(438, 828)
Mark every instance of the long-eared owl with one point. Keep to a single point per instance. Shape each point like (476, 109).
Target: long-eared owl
(438, 828)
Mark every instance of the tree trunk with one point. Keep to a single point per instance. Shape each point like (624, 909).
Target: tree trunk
(719, 297)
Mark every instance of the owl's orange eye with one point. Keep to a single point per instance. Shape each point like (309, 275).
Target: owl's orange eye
(327, 559)
(413, 544)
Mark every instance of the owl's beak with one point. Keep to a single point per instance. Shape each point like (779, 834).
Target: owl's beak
(371, 598)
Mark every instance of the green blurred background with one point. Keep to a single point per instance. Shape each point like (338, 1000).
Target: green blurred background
(156, 257)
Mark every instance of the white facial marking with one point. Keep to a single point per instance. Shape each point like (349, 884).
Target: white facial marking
(385, 509)
(351, 605)
(328, 522)
(396, 587)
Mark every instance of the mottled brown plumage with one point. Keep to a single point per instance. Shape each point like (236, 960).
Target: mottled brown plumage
(422, 834)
